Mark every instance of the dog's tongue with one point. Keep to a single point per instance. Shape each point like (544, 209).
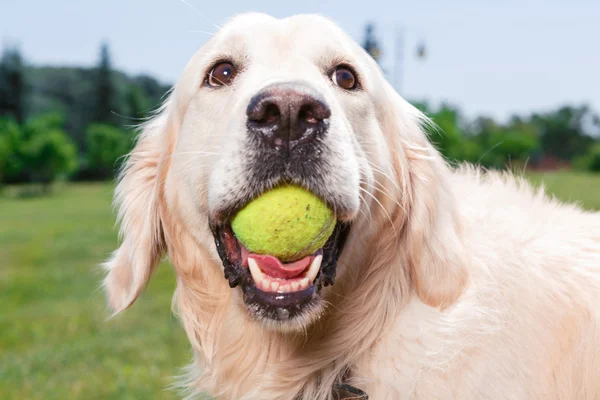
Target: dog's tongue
(273, 267)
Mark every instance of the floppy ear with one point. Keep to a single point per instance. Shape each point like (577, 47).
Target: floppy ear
(137, 200)
(432, 238)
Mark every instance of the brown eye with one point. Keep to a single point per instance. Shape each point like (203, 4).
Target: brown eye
(221, 74)
(344, 78)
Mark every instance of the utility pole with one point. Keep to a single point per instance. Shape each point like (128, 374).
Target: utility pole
(371, 44)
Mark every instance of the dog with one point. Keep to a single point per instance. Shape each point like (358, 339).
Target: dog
(437, 283)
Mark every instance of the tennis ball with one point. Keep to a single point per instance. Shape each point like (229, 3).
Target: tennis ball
(288, 222)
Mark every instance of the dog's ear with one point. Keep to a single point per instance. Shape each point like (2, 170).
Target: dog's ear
(137, 200)
(432, 236)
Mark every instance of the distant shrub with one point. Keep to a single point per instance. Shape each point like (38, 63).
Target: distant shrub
(49, 154)
(505, 146)
(106, 148)
(590, 161)
(4, 154)
(38, 151)
(11, 162)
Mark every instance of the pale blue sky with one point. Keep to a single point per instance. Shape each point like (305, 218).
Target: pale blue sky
(491, 57)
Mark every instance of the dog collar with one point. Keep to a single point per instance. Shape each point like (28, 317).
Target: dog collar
(348, 392)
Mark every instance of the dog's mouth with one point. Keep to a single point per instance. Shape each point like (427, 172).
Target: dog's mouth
(275, 290)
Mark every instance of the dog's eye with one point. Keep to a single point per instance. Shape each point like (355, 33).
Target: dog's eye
(221, 74)
(344, 78)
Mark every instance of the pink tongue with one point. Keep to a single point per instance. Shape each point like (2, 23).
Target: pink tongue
(273, 267)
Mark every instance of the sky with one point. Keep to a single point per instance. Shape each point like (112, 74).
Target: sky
(492, 58)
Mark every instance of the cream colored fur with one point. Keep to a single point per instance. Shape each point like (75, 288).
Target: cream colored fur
(454, 283)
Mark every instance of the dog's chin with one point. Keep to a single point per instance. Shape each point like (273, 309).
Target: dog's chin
(283, 303)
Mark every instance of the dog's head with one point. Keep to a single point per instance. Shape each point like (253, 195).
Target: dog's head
(267, 102)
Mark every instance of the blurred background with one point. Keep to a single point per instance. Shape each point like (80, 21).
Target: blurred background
(512, 85)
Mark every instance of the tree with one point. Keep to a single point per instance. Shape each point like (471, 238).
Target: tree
(105, 90)
(449, 137)
(151, 88)
(594, 158)
(49, 155)
(563, 131)
(12, 85)
(11, 161)
(106, 147)
(591, 160)
(449, 134)
(137, 103)
(483, 142)
(5, 153)
(505, 144)
(45, 151)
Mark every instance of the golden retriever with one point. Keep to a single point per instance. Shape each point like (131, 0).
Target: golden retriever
(437, 283)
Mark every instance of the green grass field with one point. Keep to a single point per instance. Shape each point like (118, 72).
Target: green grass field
(54, 340)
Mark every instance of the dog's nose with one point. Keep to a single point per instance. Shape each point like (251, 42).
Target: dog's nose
(285, 114)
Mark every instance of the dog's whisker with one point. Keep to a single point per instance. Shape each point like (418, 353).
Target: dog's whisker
(366, 142)
(389, 217)
(208, 153)
(388, 195)
(360, 210)
(384, 191)
(191, 162)
(185, 171)
(200, 14)
(368, 215)
(378, 186)
(378, 169)
(330, 304)
(385, 175)
(205, 32)
(201, 194)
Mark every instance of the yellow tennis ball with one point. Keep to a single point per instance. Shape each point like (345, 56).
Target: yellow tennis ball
(288, 222)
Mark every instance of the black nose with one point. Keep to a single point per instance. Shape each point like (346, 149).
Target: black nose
(285, 114)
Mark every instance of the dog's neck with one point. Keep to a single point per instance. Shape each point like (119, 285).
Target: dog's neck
(239, 357)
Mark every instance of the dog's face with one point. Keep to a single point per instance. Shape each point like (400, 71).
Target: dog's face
(276, 101)
(268, 102)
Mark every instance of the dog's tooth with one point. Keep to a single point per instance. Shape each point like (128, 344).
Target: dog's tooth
(304, 283)
(266, 284)
(255, 271)
(274, 286)
(314, 268)
(284, 288)
(295, 286)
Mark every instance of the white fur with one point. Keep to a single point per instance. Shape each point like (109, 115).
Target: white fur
(454, 284)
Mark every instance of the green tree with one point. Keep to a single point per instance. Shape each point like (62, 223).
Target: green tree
(484, 141)
(49, 155)
(5, 153)
(106, 147)
(563, 131)
(12, 85)
(11, 160)
(591, 160)
(45, 152)
(502, 145)
(137, 103)
(105, 90)
(449, 133)
(44, 122)
(449, 137)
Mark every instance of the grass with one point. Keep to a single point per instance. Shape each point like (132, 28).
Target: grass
(54, 340)
(572, 187)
